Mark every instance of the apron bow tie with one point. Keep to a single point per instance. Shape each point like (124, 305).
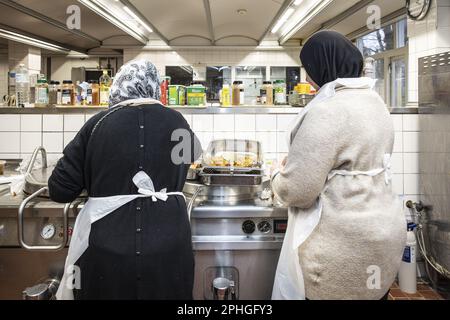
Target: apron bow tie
(161, 195)
(146, 187)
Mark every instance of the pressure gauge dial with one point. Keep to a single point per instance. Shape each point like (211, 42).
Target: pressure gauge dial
(48, 231)
(264, 227)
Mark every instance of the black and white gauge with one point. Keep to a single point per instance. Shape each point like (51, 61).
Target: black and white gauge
(264, 227)
(48, 231)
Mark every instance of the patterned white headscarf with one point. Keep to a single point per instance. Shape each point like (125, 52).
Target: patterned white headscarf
(136, 79)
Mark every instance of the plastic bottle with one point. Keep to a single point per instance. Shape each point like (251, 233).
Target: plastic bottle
(67, 93)
(42, 98)
(407, 277)
(105, 86)
(22, 87)
(226, 95)
(266, 93)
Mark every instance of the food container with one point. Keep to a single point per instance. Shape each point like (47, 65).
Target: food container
(303, 88)
(299, 100)
(226, 95)
(177, 95)
(196, 95)
(165, 90)
(93, 96)
(54, 93)
(238, 93)
(68, 93)
(266, 93)
(280, 92)
(42, 98)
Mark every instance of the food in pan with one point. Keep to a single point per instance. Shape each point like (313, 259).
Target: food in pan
(238, 160)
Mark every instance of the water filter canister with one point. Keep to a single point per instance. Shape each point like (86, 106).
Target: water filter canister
(407, 276)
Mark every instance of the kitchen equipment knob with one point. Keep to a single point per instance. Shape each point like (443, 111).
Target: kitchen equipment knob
(38, 292)
(221, 288)
(41, 291)
(248, 227)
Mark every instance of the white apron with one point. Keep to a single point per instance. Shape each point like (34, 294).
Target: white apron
(289, 282)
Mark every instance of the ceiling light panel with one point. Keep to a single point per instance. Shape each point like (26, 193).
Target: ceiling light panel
(122, 16)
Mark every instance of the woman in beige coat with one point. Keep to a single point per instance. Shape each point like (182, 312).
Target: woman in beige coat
(346, 228)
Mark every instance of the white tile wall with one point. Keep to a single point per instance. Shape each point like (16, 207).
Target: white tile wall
(283, 122)
(223, 135)
(411, 184)
(224, 122)
(245, 135)
(411, 162)
(29, 141)
(398, 122)
(398, 142)
(9, 122)
(53, 123)
(397, 184)
(266, 122)
(410, 141)
(282, 143)
(244, 122)
(73, 122)
(9, 142)
(31, 123)
(203, 122)
(268, 140)
(53, 142)
(397, 162)
(411, 122)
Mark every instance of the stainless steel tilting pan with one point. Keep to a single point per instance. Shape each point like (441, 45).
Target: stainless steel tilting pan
(36, 186)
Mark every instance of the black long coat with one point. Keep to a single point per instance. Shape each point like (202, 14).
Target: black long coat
(143, 250)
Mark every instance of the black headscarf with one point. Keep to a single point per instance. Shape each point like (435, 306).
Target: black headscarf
(328, 55)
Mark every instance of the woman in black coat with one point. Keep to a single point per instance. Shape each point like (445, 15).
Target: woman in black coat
(143, 249)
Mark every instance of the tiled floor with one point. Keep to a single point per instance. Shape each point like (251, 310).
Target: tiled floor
(424, 292)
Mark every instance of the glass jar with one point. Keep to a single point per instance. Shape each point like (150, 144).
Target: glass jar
(42, 98)
(54, 93)
(266, 93)
(67, 93)
(280, 92)
(93, 94)
(236, 94)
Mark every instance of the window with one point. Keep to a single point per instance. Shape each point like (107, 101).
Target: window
(253, 78)
(398, 82)
(379, 75)
(401, 34)
(377, 41)
(216, 77)
(290, 75)
(181, 75)
(389, 47)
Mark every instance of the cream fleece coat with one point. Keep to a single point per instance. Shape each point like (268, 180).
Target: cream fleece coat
(363, 228)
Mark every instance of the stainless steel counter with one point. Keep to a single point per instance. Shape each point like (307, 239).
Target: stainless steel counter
(184, 110)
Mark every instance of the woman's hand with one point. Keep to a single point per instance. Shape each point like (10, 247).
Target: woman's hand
(277, 166)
